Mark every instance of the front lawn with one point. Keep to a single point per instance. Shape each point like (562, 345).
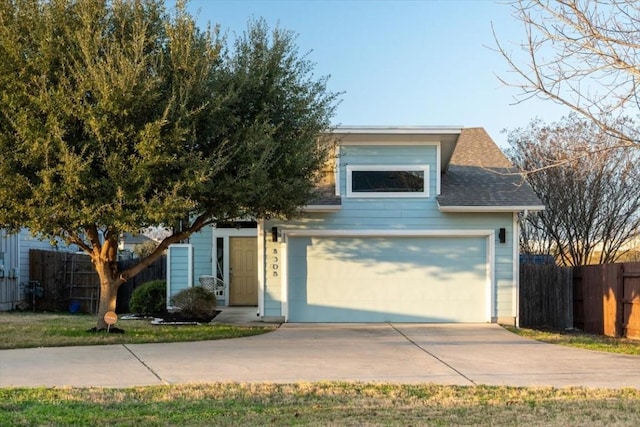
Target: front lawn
(318, 404)
(22, 330)
(582, 340)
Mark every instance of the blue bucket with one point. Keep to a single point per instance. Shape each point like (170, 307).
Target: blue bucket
(74, 307)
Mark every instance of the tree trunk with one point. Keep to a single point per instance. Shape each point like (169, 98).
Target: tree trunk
(109, 284)
(104, 256)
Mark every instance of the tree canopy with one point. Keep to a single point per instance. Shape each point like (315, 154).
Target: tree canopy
(592, 203)
(120, 115)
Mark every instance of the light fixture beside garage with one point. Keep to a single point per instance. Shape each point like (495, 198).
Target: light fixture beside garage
(274, 234)
(502, 235)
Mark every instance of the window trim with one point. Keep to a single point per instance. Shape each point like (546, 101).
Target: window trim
(395, 194)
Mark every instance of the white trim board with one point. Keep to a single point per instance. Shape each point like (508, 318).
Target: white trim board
(515, 306)
(439, 163)
(407, 141)
(225, 234)
(336, 171)
(261, 255)
(419, 130)
(489, 208)
(284, 281)
(384, 233)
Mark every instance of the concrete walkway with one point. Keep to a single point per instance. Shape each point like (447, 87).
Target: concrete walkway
(398, 353)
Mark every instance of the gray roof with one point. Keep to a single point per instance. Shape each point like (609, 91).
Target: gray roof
(134, 239)
(480, 177)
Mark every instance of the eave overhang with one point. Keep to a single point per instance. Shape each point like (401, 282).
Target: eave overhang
(533, 208)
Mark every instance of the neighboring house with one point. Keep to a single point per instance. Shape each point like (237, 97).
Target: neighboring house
(128, 242)
(412, 224)
(14, 264)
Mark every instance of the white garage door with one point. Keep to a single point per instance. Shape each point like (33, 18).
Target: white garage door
(387, 279)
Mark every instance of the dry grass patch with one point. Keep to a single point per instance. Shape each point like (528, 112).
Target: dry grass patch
(582, 340)
(24, 330)
(319, 404)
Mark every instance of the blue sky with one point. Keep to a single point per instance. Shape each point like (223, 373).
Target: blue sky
(403, 62)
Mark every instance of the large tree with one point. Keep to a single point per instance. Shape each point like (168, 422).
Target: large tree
(119, 115)
(583, 54)
(592, 203)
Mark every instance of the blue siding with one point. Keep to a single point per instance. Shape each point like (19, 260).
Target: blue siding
(178, 270)
(389, 155)
(403, 214)
(202, 253)
(202, 243)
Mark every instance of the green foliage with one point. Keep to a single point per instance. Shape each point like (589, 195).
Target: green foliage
(149, 298)
(121, 115)
(195, 302)
(95, 105)
(118, 116)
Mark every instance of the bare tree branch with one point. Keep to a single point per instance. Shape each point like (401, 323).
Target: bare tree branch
(589, 185)
(584, 55)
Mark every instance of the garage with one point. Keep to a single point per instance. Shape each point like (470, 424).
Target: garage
(388, 279)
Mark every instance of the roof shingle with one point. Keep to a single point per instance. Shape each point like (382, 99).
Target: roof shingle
(480, 176)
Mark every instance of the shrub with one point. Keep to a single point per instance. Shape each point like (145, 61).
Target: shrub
(196, 302)
(149, 298)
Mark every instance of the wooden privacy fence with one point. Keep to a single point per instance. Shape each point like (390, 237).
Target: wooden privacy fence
(156, 271)
(599, 299)
(546, 296)
(67, 281)
(609, 299)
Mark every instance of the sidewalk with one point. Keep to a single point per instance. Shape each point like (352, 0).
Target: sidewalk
(245, 316)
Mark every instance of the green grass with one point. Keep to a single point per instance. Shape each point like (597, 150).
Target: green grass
(582, 340)
(318, 404)
(23, 330)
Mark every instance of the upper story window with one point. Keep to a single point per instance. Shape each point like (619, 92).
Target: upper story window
(387, 181)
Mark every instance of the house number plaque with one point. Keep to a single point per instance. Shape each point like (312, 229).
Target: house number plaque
(275, 262)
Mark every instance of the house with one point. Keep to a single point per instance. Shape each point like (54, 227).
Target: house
(128, 243)
(411, 224)
(14, 263)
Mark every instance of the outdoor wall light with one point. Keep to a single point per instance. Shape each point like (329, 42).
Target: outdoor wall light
(274, 234)
(502, 235)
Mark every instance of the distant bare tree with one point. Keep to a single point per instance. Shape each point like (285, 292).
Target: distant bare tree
(143, 250)
(592, 203)
(581, 54)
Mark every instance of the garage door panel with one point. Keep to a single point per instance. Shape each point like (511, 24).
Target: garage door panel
(419, 279)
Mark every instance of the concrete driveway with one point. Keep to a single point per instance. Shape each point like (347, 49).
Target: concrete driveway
(398, 353)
